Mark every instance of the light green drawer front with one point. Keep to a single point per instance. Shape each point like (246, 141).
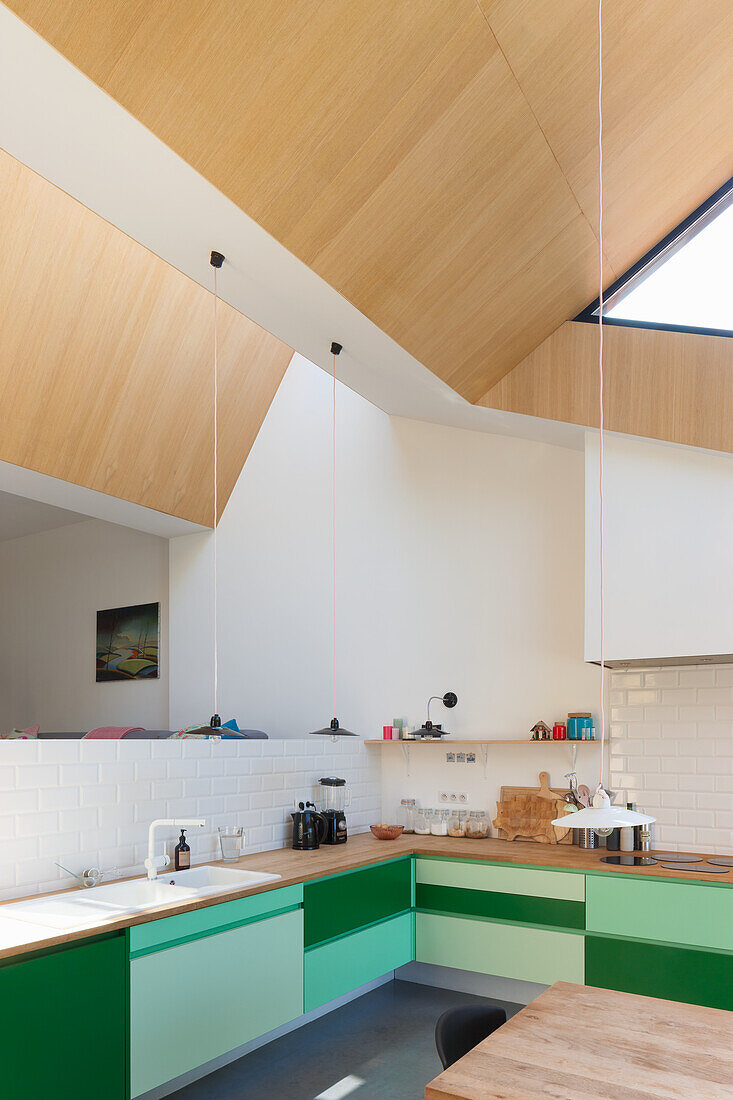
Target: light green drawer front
(668, 912)
(199, 1000)
(345, 964)
(504, 950)
(502, 880)
(202, 922)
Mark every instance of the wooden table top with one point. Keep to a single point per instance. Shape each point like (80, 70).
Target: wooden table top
(359, 851)
(575, 1042)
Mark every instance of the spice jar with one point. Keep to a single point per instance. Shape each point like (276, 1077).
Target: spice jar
(407, 816)
(422, 821)
(477, 826)
(439, 823)
(457, 823)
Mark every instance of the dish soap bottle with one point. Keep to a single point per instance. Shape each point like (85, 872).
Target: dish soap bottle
(183, 853)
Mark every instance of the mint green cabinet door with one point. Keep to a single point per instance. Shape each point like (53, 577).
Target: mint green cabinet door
(504, 950)
(201, 999)
(63, 1024)
(342, 965)
(696, 914)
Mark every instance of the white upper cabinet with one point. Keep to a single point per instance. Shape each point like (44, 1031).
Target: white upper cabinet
(668, 551)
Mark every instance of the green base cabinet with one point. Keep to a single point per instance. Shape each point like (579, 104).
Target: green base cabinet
(207, 995)
(340, 904)
(63, 1021)
(345, 964)
(504, 950)
(659, 970)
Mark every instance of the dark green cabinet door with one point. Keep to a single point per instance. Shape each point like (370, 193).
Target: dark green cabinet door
(63, 1024)
(343, 903)
(673, 973)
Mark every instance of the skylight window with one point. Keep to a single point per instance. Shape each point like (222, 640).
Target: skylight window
(686, 282)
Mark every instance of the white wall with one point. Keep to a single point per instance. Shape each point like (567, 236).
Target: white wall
(51, 586)
(460, 567)
(668, 533)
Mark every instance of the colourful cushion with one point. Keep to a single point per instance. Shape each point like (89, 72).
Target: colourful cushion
(21, 735)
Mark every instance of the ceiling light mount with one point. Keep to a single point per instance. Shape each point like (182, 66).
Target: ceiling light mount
(217, 259)
(336, 349)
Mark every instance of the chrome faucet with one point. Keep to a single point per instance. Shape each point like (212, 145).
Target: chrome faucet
(154, 863)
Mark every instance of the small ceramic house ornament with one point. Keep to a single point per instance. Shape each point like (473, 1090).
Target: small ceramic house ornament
(541, 732)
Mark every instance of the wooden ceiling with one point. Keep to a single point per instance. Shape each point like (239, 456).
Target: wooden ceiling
(106, 359)
(433, 160)
(676, 386)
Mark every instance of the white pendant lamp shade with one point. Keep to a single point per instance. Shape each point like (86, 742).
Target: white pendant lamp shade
(602, 815)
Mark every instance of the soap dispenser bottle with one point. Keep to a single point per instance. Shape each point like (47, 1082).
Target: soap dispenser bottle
(183, 853)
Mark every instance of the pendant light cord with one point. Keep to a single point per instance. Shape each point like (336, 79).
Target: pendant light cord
(600, 380)
(333, 531)
(216, 488)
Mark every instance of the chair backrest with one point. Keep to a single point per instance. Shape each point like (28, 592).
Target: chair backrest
(460, 1029)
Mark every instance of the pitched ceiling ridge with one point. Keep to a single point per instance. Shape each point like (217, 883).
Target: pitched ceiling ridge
(526, 99)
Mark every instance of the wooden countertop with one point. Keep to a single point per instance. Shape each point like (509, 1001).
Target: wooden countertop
(575, 1042)
(359, 851)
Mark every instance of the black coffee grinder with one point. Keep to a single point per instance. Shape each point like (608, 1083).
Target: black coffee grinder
(334, 797)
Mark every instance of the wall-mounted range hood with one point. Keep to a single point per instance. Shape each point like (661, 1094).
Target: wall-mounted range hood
(657, 662)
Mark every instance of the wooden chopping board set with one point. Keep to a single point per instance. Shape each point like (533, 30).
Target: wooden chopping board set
(525, 813)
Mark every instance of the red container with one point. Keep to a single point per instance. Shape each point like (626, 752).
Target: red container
(559, 732)
(386, 733)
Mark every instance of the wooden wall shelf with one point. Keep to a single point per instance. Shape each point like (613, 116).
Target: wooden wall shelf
(494, 741)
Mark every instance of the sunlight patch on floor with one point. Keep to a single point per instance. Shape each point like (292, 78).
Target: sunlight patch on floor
(342, 1088)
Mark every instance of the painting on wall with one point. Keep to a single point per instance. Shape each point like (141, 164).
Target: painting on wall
(127, 643)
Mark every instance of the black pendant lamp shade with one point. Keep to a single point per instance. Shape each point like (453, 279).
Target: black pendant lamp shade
(334, 730)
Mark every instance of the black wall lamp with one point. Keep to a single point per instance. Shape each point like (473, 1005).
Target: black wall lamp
(428, 729)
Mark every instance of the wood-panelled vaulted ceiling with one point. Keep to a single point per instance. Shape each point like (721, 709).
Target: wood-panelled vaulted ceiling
(435, 161)
(106, 373)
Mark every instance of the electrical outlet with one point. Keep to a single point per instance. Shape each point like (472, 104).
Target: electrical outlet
(460, 758)
(463, 797)
(470, 757)
(453, 797)
(443, 796)
(450, 758)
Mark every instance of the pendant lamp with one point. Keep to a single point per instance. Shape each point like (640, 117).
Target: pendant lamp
(602, 817)
(333, 730)
(214, 727)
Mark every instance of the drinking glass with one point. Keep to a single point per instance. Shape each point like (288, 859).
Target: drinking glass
(231, 839)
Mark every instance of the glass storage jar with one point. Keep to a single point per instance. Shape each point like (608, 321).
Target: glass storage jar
(457, 823)
(477, 826)
(422, 820)
(439, 823)
(407, 815)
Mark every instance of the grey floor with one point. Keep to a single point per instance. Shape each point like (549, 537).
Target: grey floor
(385, 1038)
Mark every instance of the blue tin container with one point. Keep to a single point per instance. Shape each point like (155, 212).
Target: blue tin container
(576, 724)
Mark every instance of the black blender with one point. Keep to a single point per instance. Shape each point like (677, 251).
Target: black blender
(335, 796)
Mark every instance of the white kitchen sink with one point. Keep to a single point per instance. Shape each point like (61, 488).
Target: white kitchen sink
(63, 911)
(210, 879)
(87, 906)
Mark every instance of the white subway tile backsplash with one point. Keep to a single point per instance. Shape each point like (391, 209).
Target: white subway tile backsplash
(685, 773)
(697, 677)
(90, 803)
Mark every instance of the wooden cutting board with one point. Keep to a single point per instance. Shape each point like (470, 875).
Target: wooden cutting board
(526, 812)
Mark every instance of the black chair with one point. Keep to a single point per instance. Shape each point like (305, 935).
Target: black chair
(460, 1029)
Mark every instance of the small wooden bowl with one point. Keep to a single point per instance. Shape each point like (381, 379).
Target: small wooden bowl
(386, 832)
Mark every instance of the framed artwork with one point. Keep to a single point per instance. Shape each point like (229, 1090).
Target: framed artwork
(127, 643)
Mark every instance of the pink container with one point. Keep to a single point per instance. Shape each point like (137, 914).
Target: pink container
(386, 733)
